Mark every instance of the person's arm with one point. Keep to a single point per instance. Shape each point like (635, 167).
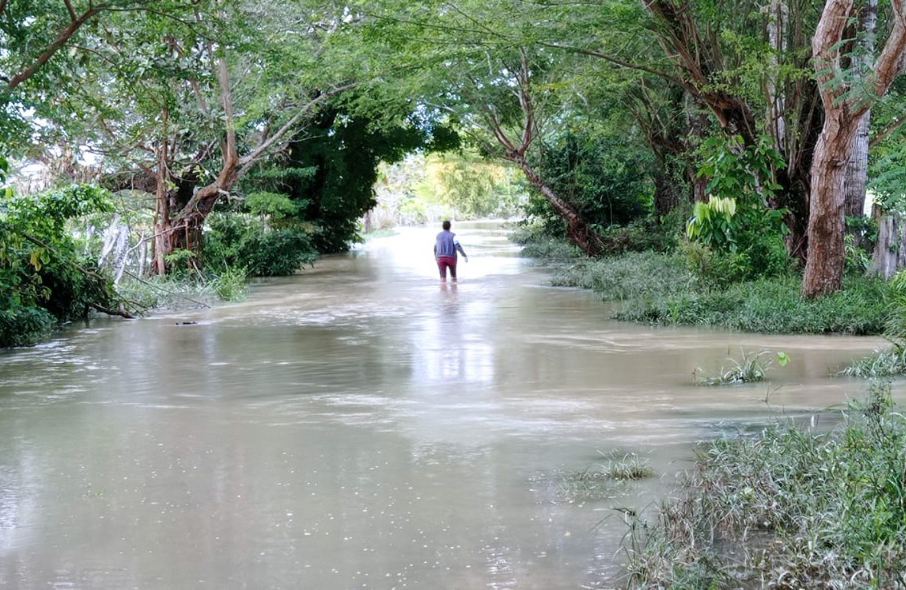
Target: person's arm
(459, 247)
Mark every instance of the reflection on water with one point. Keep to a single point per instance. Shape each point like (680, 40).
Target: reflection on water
(363, 426)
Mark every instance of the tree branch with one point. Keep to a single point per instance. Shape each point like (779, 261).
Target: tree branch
(72, 14)
(825, 49)
(286, 127)
(887, 67)
(61, 40)
(615, 61)
(886, 132)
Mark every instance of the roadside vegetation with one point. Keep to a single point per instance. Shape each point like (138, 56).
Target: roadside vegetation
(791, 507)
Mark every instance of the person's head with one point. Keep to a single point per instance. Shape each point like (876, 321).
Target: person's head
(446, 225)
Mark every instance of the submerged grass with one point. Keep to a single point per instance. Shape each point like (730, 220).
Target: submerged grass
(752, 368)
(596, 482)
(884, 363)
(790, 508)
(658, 288)
(178, 293)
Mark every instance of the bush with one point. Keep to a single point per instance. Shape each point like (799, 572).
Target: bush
(235, 240)
(25, 326)
(43, 279)
(639, 236)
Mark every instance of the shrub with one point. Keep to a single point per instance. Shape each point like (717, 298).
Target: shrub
(42, 274)
(229, 285)
(24, 326)
(241, 241)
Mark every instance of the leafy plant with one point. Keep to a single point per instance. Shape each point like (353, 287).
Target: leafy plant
(236, 240)
(43, 277)
(750, 369)
(230, 285)
(714, 225)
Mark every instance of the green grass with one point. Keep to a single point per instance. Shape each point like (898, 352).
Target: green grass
(769, 306)
(752, 368)
(789, 508)
(629, 277)
(658, 288)
(550, 250)
(884, 363)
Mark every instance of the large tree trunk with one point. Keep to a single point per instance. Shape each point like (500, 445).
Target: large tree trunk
(844, 110)
(857, 172)
(778, 16)
(824, 267)
(667, 194)
(857, 168)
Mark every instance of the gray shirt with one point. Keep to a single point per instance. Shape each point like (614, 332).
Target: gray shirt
(447, 245)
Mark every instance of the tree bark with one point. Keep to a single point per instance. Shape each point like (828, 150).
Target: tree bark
(857, 168)
(824, 265)
(667, 195)
(162, 228)
(777, 21)
(890, 251)
(843, 112)
(577, 231)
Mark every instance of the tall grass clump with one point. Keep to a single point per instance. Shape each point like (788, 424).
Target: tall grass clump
(789, 508)
(752, 368)
(596, 482)
(883, 363)
(230, 285)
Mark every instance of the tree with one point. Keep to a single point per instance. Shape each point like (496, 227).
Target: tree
(847, 96)
(183, 106)
(720, 51)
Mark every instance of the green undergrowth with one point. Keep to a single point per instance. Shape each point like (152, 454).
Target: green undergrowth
(631, 276)
(884, 363)
(178, 292)
(789, 508)
(751, 368)
(660, 289)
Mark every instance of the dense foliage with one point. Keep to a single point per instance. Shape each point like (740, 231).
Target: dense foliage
(248, 242)
(44, 276)
(604, 180)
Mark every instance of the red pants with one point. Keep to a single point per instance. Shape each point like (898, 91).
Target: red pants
(445, 262)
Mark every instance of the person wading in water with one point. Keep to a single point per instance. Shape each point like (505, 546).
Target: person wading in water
(445, 247)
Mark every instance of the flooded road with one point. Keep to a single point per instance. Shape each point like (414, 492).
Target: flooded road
(361, 425)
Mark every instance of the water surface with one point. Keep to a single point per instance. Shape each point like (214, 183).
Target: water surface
(361, 425)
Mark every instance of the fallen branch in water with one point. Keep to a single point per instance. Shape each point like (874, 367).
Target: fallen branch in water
(120, 312)
(168, 292)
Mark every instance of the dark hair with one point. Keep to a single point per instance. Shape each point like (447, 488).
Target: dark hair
(446, 225)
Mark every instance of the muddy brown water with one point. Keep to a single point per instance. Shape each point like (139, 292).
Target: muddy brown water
(361, 425)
